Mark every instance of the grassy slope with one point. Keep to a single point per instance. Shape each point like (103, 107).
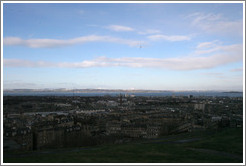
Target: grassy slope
(152, 151)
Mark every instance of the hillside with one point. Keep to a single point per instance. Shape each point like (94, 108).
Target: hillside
(225, 146)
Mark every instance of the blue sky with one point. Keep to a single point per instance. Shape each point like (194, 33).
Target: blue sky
(123, 46)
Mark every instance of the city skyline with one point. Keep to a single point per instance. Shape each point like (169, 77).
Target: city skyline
(166, 46)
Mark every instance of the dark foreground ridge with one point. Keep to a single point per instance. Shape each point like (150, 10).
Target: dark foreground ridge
(197, 147)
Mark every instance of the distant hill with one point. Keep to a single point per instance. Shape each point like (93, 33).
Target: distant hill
(86, 90)
(107, 90)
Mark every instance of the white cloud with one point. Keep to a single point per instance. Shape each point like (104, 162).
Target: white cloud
(119, 28)
(216, 23)
(205, 45)
(149, 31)
(26, 63)
(227, 54)
(169, 38)
(209, 47)
(212, 47)
(155, 37)
(50, 43)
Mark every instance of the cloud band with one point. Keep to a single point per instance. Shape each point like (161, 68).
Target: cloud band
(51, 43)
(227, 54)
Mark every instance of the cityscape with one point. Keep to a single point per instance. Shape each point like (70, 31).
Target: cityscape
(33, 123)
(123, 83)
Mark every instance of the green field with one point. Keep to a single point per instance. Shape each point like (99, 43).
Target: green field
(224, 146)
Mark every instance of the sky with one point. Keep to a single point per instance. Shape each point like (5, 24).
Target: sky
(155, 46)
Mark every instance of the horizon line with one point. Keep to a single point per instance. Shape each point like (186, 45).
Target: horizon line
(101, 89)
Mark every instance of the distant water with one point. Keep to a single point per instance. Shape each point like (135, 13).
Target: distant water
(154, 94)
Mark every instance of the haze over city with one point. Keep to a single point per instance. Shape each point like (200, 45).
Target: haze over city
(123, 46)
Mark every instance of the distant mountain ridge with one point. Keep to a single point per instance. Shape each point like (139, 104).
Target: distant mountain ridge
(109, 90)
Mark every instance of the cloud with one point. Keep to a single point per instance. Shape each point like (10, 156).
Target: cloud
(216, 23)
(227, 54)
(119, 28)
(204, 45)
(51, 43)
(27, 63)
(169, 38)
(209, 47)
(216, 47)
(156, 37)
(149, 31)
